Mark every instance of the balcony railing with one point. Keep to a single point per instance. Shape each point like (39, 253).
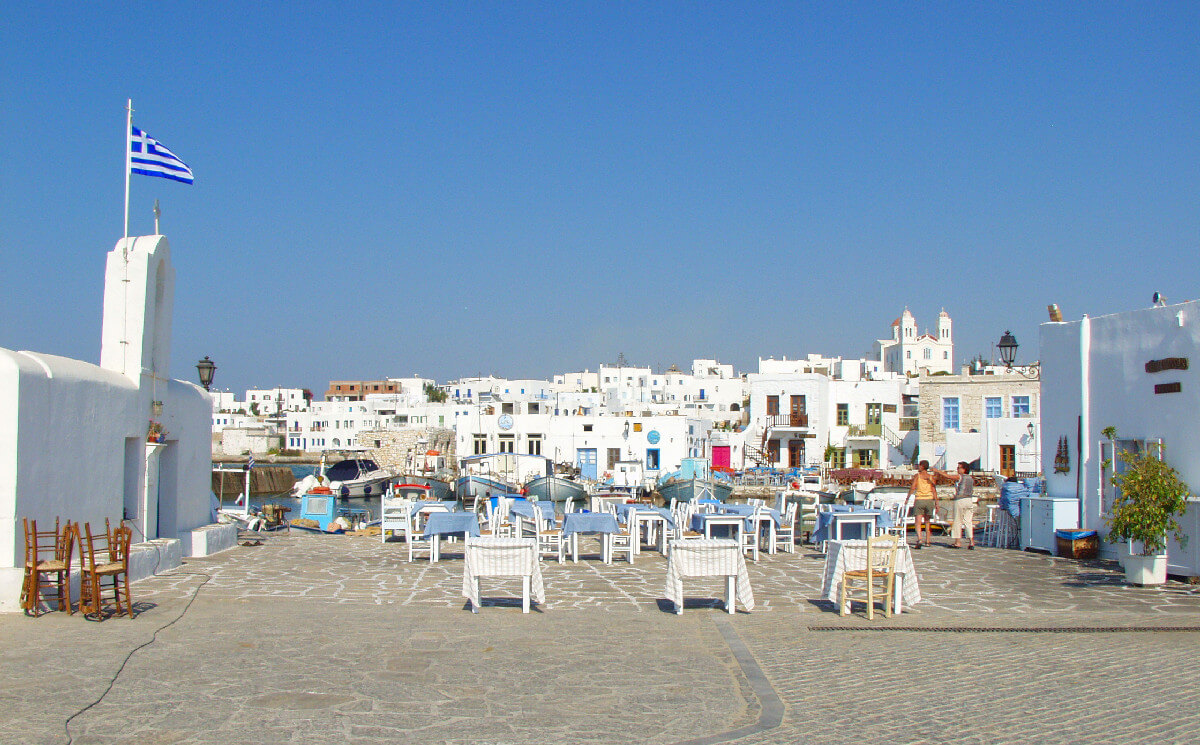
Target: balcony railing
(787, 420)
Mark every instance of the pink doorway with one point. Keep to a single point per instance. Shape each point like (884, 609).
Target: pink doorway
(720, 456)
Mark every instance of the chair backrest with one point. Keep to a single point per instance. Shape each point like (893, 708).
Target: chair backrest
(789, 515)
(755, 502)
(91, 545)
(881, 554)
(568, 506)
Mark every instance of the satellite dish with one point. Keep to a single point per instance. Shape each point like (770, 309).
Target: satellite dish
(1159, 300)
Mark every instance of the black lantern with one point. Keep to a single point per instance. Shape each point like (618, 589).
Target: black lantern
(1008, 349)
(206, 368)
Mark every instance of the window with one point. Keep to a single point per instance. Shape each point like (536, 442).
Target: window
(1020, 407)
(652, 459)
(637, 426)
(993, 407)
(864, 458)
(507, 444)
(950, 420)
(837, 458)
(928, 353)
(772, 405)
(772, 451)
(535, 444)
(614, 455)
(843, 415)
(480, 444)
(946, 355)
(587, 428)
(908, 354)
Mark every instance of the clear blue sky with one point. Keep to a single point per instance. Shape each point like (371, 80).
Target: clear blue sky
(448, 189)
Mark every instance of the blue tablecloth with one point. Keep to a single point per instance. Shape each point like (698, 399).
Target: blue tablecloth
(525, 509)
(447, 523)
(623, 511)
(883, 519)
(747, 510)
(449, 504)
(700, 518)
(589, 522)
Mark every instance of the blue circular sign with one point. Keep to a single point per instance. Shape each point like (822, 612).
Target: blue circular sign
(653, 437)
(506, 421)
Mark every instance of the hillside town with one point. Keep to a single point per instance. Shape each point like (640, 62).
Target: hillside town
(629, 422)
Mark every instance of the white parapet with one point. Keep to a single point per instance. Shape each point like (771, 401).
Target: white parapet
(209, 539)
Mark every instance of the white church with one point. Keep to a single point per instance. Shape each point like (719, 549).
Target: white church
(118, 440)
(909, 352)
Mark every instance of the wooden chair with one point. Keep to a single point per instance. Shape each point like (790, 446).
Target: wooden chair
(878, 576)
(103, 558)
(47, 563)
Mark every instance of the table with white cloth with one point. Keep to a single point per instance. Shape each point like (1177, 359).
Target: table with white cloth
(448, 523)
(494, 556)
(845, 556)
(827, 522)
(591, 523)
(709, 557)
(431, 505)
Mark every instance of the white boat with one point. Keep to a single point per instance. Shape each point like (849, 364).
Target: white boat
(353, 478)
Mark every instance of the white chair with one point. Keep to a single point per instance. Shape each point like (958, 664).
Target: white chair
(900, 519)
(394, 515)
(624, 540)
(748, 537)
(417, 542)
(549, 539)
(755, 502)
(786, 533)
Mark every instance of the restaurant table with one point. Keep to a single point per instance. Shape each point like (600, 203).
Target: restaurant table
(525, 509)
(847, 555)
(709, 557)
(448, 523)
(657, 520)
(704, 522)
(493, 556)
(592, 523)
(828, 527)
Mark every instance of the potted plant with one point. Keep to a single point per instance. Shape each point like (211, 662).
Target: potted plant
(1150, 496)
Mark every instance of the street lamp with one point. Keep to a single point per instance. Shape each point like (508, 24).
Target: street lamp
(1008, 355)
(206, 368)
(1008, 349)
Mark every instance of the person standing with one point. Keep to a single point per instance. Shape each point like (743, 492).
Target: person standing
(964, 504)
(926, 503)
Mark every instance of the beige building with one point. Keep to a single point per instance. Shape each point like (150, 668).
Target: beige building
(989, 415)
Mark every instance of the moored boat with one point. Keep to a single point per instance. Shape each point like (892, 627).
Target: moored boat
(554, 489)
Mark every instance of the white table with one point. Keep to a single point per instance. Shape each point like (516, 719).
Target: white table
(492, 556)
(844, 556)
(709, 557)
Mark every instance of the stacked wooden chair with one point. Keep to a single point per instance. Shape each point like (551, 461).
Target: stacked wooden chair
(104, 559)
(47, 564)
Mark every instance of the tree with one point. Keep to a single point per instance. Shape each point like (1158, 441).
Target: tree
(434, 394)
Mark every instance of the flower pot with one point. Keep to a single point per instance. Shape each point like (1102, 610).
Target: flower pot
(1144, 570)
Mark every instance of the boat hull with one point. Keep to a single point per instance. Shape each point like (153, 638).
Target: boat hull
(555, 489)
(470, 488)
(691, 490)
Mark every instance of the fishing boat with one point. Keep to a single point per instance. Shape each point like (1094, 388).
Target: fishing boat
(438, 489)
(694, 481)
(554, 489)
(352, 478)
(472, 487)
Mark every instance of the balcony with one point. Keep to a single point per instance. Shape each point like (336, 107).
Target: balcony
(794, 421)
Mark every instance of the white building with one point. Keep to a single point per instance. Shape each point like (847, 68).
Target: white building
(275, 401)
(909, 351)
(76, 435)
(1135, 371)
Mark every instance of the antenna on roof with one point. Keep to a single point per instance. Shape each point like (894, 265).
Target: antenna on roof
(1158, 300)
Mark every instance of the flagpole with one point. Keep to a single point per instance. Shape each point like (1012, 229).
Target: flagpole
(128, 162)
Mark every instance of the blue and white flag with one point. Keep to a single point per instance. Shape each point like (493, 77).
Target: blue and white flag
(148, 157)
(250, 462)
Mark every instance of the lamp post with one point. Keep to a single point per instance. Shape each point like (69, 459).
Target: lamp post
(1008, 355)
(206, 368)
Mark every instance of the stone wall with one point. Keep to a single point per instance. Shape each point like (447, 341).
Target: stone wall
(399, 448)
(971, 390)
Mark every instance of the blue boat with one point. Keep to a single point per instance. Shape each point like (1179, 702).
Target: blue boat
(555, 489)
(694, 481)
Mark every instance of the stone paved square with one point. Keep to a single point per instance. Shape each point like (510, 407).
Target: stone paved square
(313, 639)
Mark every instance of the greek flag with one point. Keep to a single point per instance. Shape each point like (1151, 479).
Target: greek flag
(148, 157)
